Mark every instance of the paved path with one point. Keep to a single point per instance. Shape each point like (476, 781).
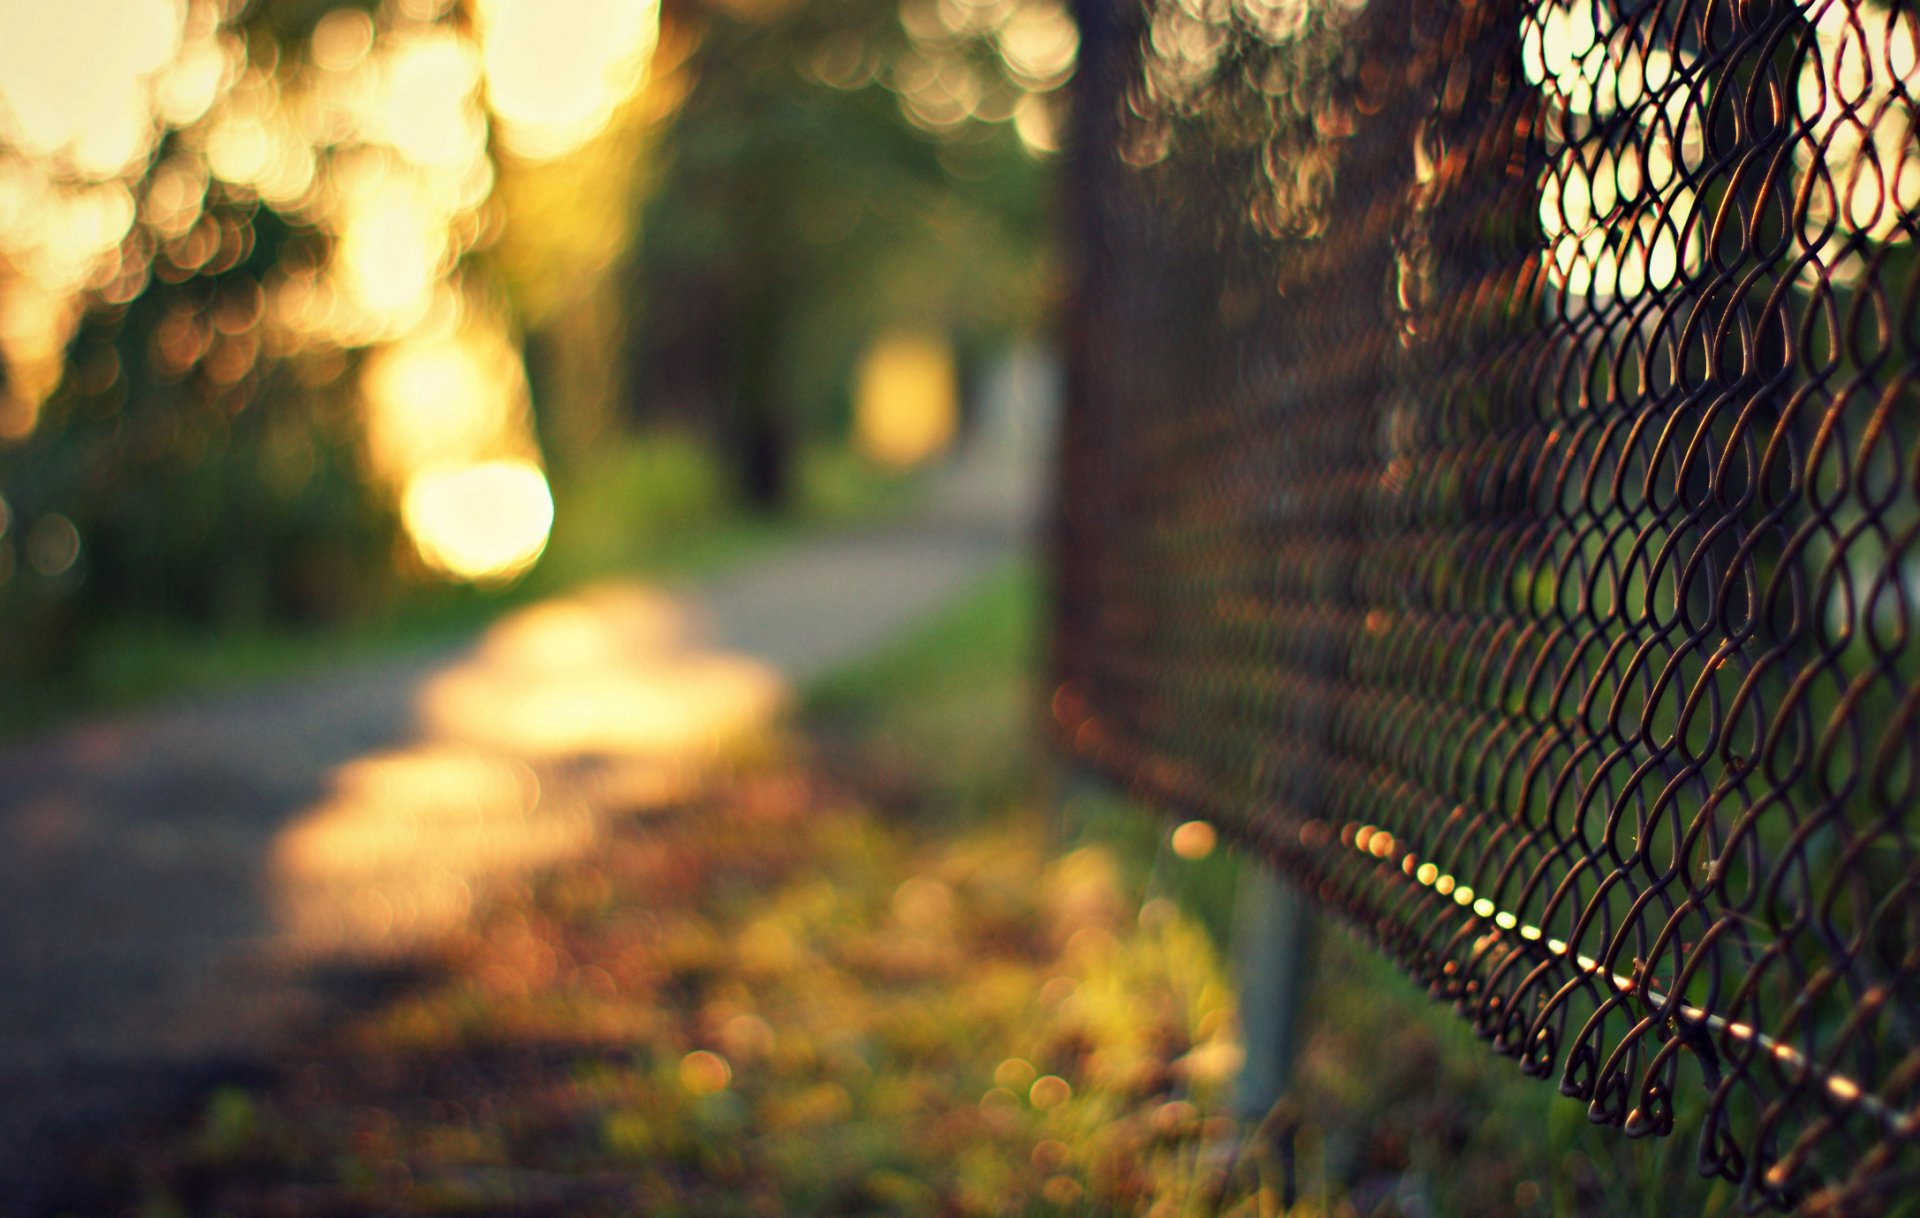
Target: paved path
(182, 890)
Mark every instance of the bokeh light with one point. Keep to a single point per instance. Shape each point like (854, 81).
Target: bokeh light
(445, 398)
(1615, 205)
(76, 79)
(556, 70)
(1860, 168)
(85, 91)
(482, 522)
(944, 82)
(906, 401)
(386, 200)
(1194, 839)
(374, 135)
(449, 431)
(606, 673)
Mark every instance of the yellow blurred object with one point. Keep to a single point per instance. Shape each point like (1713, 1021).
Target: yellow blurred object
(84, 89)
(482, 522)
(389, 859)
(443, 400)
(1194, 840)
(76, 79)
(703, 1072)
(449, 434)
(380, 137)
(556, 70)
(1049, 1091)
(592, 631)
(906, 401)
(676, 705)
(606, 673)
(396, 851)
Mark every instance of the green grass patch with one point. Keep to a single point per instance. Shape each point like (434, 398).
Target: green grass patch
(886, 968)
(953, 709)
(785, 996)
(1405, 1110)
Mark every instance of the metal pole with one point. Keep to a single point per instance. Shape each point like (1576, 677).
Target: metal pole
(1272, 951)
(1272, 940)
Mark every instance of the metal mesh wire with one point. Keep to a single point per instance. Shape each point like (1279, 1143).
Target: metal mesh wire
(1489, 490)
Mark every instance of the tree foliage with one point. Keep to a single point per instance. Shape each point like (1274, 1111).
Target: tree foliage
(800, 212)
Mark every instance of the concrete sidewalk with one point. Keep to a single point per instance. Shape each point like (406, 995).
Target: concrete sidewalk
(181, 891)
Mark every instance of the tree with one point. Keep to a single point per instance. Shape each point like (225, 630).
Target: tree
(800, 209)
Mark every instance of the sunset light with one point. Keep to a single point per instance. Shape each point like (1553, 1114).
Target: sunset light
(85, 90)
(555, 72)
(906, 402)
(449, 431)
(482, 522)
(372, 132)
(1617, 209)
(952, 608)
(77, 80)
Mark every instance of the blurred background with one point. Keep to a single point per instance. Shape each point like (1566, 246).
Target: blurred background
(335, 331)
(326, 326)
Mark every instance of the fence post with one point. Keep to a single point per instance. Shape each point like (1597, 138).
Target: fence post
(1272, 951)
(1272, 940)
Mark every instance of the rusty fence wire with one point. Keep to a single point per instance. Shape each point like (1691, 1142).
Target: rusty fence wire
(1489, 491)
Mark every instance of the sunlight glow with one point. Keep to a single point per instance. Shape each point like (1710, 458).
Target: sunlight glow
(1858, 94)
(482, 523)
(394, 854)
(389, 858)
(593, 629)
(906, 401)
(943, 83)
(1618, 216)
(448, 398)
(1039, 43)
(601, 674)
(425, 103)
(341, 39)
(392, 248)
(140, 138)
(556, 70)
(76, 78)
(1035, 122)
(449, 432)
(255, 141)
(84, 89)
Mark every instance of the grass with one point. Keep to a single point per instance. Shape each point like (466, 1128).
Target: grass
(789, 995)
(950, 712)
(871, 968)
(1401, 1110)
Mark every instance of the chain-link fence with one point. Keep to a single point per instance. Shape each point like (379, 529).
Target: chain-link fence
(1489, 490)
